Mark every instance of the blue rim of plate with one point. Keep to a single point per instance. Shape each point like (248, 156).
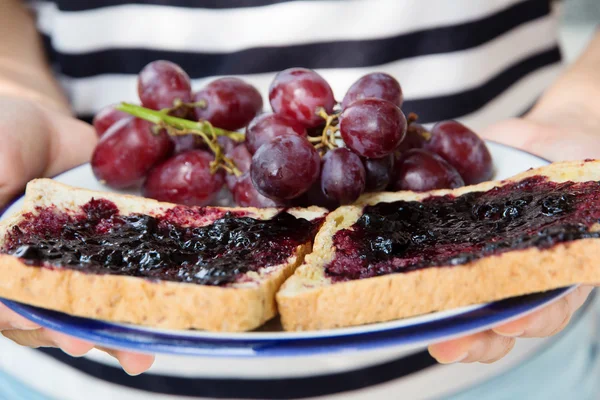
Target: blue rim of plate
(120, 337)
(123, 337)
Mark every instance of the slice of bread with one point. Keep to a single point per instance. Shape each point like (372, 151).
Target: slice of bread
(235, 307)
(309, 300)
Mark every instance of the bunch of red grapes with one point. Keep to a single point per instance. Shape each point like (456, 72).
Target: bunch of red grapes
(310, 150)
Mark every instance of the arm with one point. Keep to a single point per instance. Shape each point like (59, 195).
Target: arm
(24, 72)
(38, 137)
(564, 124)
(35, 118)
(576, 92)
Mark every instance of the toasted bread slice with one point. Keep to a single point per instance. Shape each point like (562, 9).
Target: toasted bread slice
(243, 305)
(310, 300)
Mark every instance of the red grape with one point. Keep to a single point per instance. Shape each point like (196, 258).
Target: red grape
(378, 85)
(379, 173)
(267, 126)
(314, 196)
(285, 167)
(195, 142)
(226, 143)
(298, 93)
(463, 149)
(245, 194)
(372, 128)
(184, 179)
(127, 151)
(231, 103)
(106, 118)
(242, 159)
(343, 176)
(416, 138)
(162, 82)
(188, 142)
(419, 170)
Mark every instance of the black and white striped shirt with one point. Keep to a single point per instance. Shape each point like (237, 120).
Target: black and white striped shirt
(476, 60)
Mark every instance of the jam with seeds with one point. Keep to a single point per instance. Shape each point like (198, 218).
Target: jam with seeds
(97, 239)
(443, 231)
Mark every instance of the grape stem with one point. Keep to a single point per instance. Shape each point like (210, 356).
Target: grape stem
(178, 105)
(330, 132)
(175, 126)
(413, 117)
(159, 117)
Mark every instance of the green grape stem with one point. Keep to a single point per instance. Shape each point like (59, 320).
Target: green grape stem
(159, 117)
(178, 127)
(329, 136)
(412, 118)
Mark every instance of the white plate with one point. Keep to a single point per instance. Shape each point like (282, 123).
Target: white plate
(270, 340)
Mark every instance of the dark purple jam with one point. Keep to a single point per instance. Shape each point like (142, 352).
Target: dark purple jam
(443, 231)
(97, 239)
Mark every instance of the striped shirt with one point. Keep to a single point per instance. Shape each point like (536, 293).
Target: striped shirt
(475, 60)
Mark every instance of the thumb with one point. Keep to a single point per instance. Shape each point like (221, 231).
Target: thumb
(72, 143)
(37, 142)
(564, 141)
(518, 133)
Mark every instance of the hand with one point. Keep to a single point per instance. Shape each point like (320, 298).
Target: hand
(492, 345)
(570, 134)
(27, 333)
(40, 142)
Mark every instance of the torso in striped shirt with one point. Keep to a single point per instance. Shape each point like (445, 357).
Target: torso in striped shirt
(475, 60)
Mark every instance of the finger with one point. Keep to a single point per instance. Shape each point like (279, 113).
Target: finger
(484, 347)
(72, 143)
(549, 320)
(25, 142)
(43, 337)
(11, 320)
(544, 138)
(36, 142)
(132, 363)
(515, 132)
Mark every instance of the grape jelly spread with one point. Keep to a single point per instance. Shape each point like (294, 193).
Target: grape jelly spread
(408, 235)
(99, 240)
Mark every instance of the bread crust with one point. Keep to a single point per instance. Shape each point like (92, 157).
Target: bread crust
(240, 306)
(167, 305)
(309, 300)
